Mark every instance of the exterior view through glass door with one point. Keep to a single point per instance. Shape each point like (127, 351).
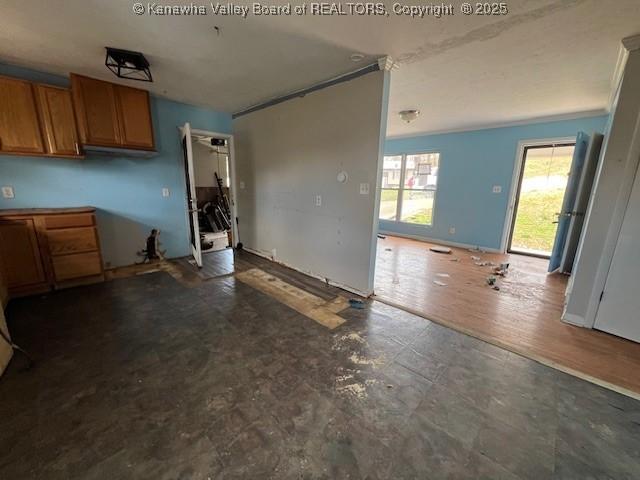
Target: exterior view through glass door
(541, 189)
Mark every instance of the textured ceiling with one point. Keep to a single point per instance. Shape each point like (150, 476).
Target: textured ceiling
(544, 58)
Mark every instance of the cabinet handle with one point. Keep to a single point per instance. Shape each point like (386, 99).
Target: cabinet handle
(77, 149)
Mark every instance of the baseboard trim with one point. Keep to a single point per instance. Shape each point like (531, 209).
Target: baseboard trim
(440, 241)
(310, 274)
(573, 319)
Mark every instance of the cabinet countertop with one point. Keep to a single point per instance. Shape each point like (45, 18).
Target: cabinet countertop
(45, 211)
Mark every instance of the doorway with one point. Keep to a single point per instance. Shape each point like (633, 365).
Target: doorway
(210, 199)
(542, 181)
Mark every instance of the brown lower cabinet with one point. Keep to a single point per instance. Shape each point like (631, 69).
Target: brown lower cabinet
(46, 249)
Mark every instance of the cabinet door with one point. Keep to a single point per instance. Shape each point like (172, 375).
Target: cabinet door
(95, 105)
(135, 117)
(19, 124)
(21, 261)
(58, 120)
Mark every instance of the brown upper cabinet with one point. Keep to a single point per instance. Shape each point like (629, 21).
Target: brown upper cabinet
(19, 125)
(111, 115)
(36, 120)
(58, 120)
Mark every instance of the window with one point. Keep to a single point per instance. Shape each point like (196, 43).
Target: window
(391, 172)
(409, 187)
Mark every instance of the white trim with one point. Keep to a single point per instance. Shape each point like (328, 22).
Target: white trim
(515, 123)
(439, 241)
(513, 188)
(632, 165)
(309, 274)
(232, 175)
(573, 319)
(616, 79)
(631, 43)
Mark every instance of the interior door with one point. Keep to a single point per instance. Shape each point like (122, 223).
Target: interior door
(585, 185)
(620, 303)
(569, 201)
(192, 206)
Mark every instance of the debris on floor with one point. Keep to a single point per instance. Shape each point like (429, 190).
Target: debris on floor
(501, 269)
(356, 303)
(454, 259)
(388, 249)
(491, 280)
(381, 237)
(443, 275)
(475, 258)
(439, 283)
(439, 249)
(496, 287)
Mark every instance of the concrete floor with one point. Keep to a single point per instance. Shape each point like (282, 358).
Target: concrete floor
(146, 377)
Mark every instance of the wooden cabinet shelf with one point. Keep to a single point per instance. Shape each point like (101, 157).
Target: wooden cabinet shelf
(44, 120)
(37, 120)
(19, 123)
(41, 250)
(58, 120)
(112, 115)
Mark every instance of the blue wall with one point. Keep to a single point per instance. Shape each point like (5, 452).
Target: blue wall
(127, 191)
(471, 163)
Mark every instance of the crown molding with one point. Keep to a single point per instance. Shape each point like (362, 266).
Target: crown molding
(515, 123)
(631, 43)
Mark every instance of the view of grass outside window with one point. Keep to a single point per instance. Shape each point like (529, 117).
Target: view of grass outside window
(411, 202)
(391, 168)
(544, 181)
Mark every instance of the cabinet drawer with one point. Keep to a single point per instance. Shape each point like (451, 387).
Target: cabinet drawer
(72, 240)
(67, 267)
(69, 220)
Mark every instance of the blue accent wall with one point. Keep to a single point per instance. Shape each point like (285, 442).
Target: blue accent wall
(127, 191)
(471, 163)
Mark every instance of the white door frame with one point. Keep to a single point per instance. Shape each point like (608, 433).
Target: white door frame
(517, 169)
(232, 176)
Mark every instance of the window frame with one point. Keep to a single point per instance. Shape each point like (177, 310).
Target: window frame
(401, 187)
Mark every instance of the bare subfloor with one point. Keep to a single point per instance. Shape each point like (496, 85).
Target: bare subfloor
(149, 377)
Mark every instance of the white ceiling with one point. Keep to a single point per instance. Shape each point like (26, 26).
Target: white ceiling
(545, 58)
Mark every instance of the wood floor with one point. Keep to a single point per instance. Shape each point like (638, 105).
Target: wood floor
(523, 316)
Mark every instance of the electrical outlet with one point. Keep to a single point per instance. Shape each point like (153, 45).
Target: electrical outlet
(452, 230)
(364, 189)
(7, 192)
(497, 189)
(165, 192)
(318, 200)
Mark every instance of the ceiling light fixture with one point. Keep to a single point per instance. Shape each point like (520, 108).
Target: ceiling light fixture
(357, 57)
(128, 64)
(409, 115)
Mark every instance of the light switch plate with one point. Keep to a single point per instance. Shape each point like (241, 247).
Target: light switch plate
(364, 189)
(241, 185)
(165, 192)
(318, 200)
(7, 192)
(497, 189)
